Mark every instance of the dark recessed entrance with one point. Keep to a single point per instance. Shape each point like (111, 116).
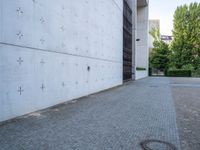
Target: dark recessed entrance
(127, 42)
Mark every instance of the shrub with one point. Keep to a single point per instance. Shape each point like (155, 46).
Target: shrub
(188, 67)
(196, 73)
(140, 69)
(179, 73)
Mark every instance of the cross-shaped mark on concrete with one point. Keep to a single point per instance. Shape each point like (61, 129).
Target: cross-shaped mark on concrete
(42, 41)
(34, 1)
(42, 87)
(63, 7)
(63, 84)
(19, 11)
(20, 35)
(42, 20)
(20, 90)
(62, 28)
(20, 60)
(42, 62)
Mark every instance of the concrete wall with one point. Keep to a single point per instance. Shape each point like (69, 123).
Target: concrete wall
(142, 48)
(134, 33)
(54, 51)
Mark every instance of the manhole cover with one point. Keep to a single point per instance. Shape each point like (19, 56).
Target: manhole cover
(157, 145)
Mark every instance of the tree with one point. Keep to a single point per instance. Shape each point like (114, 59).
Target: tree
(186, 43)
(155, 33)
(159, 56)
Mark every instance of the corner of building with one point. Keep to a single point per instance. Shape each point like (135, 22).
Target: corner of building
(142, 35)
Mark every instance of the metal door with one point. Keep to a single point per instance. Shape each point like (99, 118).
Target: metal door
(127, 42)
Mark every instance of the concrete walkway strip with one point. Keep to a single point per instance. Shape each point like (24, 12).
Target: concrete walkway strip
(118, 119)
(186, 85)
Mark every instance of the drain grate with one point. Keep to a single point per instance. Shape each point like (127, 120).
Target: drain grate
(146, 145)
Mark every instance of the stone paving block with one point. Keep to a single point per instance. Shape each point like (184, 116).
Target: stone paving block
(117, 119)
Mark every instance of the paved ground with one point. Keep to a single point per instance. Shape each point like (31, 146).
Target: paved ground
(186, 94)
(118, 119)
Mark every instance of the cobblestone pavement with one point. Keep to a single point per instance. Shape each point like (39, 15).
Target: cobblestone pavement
(186, 94)
(117, 119)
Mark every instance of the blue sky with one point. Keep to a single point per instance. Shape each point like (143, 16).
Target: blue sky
(164, 10)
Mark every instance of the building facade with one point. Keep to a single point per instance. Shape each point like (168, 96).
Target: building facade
(55, 51)
(142, 35)
(167, 39)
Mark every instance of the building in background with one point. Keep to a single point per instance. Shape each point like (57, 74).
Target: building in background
(167, 38)
(153, 23)
(61, 50)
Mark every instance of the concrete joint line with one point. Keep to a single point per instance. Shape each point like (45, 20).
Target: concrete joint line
(53, 51)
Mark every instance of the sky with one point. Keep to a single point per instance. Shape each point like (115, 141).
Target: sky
(164, 10)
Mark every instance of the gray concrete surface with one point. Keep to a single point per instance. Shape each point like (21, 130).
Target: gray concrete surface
(117, 119)
(51, 48)
(186, 94)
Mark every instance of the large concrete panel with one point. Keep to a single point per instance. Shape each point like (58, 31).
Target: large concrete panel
(142, 48)
(55, 51)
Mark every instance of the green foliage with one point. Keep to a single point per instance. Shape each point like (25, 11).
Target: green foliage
(155, 33)
(186, 43)
(160, 55)
(140, 69)
(196, 73)
(179, 73)
(188, 67)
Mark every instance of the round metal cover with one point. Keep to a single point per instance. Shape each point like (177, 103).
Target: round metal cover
(147, 145)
